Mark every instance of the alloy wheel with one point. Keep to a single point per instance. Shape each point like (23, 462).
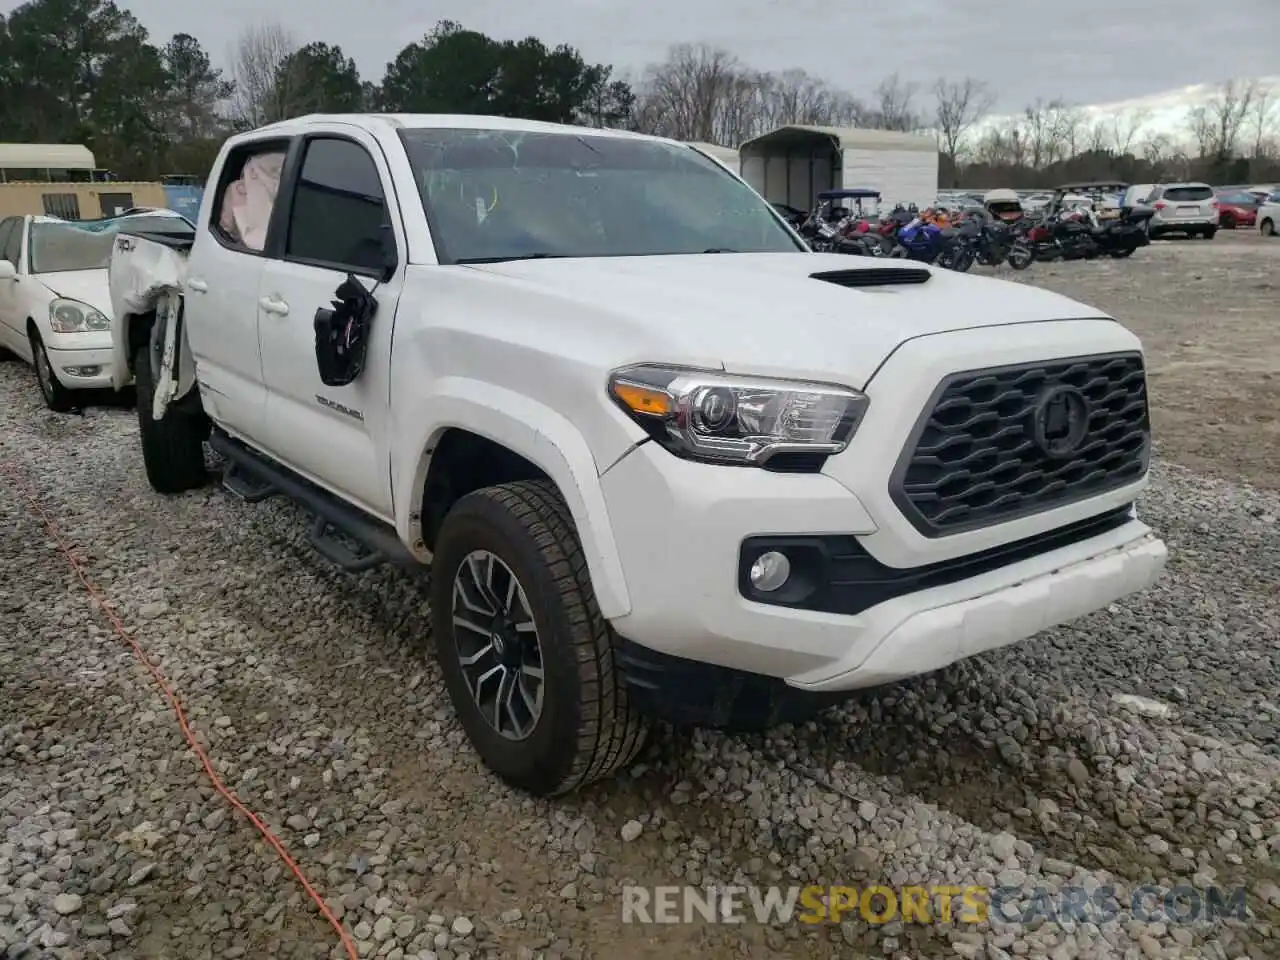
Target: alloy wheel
(44, 372)
(497, 644)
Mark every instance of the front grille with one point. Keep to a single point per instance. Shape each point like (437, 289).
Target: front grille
(984, 452)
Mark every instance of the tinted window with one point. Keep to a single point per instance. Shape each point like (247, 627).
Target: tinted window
(339, 211)
(1186, 194)
(502, 194)
(1239, 199)
(7, 228)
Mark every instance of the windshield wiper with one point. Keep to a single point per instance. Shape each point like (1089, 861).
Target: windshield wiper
(720, 250)
(514, 256)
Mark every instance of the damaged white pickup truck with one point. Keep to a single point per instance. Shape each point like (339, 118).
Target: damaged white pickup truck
(659, 457)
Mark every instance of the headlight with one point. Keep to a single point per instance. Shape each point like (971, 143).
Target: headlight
(723, 418)
(72, 316)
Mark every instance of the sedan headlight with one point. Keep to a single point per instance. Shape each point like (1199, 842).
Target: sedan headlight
(72, 316)
(722, 418)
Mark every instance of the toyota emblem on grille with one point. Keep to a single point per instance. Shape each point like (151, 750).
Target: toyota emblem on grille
(1061, 421)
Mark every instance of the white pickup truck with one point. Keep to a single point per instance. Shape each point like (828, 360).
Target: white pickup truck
(661, 459)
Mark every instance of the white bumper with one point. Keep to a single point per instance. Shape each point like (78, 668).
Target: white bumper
(82, 369)
(680, 526)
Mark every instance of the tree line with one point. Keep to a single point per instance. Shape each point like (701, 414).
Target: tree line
(87, 71)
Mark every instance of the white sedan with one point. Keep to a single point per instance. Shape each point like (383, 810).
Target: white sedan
(1268, 219)
(54, 300)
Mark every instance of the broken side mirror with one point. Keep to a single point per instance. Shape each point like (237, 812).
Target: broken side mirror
(342, 333)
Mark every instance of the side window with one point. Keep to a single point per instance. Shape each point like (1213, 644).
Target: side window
(246, 195)
(339, 215)
(12, 250)
(7, 229)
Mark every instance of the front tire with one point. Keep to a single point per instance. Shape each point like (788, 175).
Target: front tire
(1021, 256)
(173, 446)
(527, 658)
(1267, 228)
(56, 397)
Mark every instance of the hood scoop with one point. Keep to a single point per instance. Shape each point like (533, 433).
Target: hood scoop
(873, 277)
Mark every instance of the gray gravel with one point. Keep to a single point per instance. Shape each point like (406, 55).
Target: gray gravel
(1140, 744)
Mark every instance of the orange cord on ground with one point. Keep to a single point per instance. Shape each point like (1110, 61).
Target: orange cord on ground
(169, 695)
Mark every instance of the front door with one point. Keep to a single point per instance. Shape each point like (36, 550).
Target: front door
(337, 226)
(10, 322)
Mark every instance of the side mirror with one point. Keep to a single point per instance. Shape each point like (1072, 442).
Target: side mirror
(8, 271)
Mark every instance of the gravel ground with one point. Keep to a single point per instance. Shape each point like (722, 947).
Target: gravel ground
(1141, 744)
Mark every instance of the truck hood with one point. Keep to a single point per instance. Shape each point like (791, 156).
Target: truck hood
(764, 314)
(87, 286)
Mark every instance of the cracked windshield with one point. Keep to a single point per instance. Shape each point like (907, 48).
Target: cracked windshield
(57, 246)
(506, 195)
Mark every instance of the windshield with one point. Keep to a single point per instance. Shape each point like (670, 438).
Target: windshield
(87, 245)
(507, 194)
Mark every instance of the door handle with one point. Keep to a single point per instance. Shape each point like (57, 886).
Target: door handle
(272, 305)
(196, 286)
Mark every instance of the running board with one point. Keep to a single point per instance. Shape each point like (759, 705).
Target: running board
(252, 477)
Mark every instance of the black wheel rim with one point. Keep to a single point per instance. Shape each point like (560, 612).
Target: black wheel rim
(44, 372)
(497, 644)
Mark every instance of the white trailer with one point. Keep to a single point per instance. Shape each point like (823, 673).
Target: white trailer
(793, 164)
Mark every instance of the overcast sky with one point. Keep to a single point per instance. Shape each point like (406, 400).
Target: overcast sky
(1089, 51)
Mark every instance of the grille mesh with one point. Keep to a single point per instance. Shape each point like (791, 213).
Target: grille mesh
(974, 459)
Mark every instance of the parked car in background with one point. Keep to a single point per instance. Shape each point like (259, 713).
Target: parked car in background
(1236, 208)
(1184, 208)
(1268, 216)
(55, 304)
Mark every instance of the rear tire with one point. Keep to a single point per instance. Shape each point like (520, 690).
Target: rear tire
(1209, 234)
(584, 727)
(1268, 228)
(172, 447)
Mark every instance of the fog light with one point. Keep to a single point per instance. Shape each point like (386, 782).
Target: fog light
(83, 371)
(770, 571)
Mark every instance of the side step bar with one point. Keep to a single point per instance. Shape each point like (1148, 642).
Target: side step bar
(253, 478)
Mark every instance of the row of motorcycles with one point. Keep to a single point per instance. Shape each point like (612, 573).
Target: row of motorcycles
(990, 235)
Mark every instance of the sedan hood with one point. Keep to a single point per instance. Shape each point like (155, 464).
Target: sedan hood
(764, 314)
(87, 286)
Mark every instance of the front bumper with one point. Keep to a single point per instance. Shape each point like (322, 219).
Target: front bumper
(683, 529)
(686, 601)
(75, 369)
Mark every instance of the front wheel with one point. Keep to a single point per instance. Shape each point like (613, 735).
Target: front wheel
(56, 397)
(527, 658)
(1268, 228)
(173, 446)
(1021, 256)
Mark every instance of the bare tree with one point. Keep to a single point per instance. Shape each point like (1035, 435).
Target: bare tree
(255, 64)
(1042, 123)
(1219, 121)
(1097, 137)
(958, 105)
(704, 93)
(1125, 127)
(1263, 118)
(893, 105)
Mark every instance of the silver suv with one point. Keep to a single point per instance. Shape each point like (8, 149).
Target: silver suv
(1187, 208)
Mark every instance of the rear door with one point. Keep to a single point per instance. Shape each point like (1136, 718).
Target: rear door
(221, 288)
(340, 224)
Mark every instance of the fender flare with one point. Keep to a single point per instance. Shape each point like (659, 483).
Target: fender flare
(541, 436)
